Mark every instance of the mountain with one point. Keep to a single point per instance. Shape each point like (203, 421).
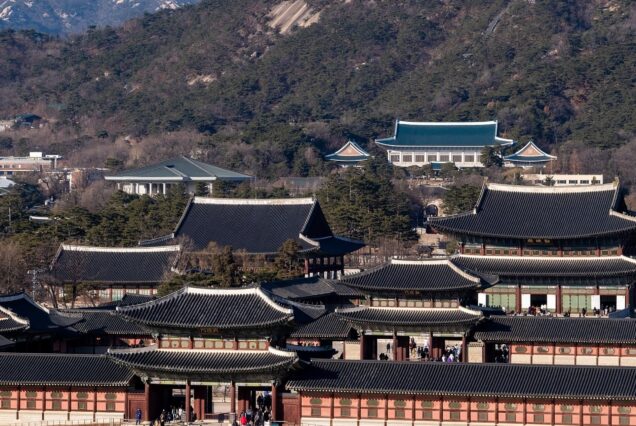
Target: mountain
(268, 87)
(73, 16)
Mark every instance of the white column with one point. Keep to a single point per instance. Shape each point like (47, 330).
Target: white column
(150, 188)
(164, 189)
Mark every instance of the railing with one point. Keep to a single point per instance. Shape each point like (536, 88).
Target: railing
(102, 422)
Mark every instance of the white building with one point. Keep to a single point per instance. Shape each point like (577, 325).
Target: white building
(421, 143)
(158, 178)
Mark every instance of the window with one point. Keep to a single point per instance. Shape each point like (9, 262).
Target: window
(595, 420)
(469, 158)
(420, 158)
(30, 404)
(623, 420)
(345, 412)
(538, 418)
(395, 158)
(457, 158)
(432, 157)
(399, 413)
(316, 412)
(565, 351)
(81, 406)
(5, 403)
(57, 405)
(372, 412)
(511, 417)
(407, 158)
(444, 158)
(567, 419)
(454, 415)
(482, 416)
(110, 406)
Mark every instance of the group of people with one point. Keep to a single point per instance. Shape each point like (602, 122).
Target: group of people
(502, 353)
(449, 354)
(261, 416)
(174, 414)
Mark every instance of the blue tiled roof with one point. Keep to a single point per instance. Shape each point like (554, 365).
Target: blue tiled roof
(444, 135)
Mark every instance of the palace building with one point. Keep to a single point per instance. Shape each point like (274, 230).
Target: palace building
(349, 155)
(260, 227)
(530, 323)
(421, 143)
(112, 272)
(528, 156)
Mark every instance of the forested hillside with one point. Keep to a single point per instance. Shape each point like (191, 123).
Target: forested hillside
(217, 81)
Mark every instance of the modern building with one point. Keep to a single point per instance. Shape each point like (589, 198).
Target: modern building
(421, 143)
(562, 179)
(529, 156)
(159, 178)
(36, 162)
(349, 155)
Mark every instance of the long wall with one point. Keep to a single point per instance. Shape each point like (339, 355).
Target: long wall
(26, 403)
(321, 409)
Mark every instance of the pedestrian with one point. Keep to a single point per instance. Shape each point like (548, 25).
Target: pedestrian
(138, 416)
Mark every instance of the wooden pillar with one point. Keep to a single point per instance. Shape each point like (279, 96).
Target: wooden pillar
(482, 249)
(43, 401)
(518, 298)
(191, 343)
(95, 405)
(525, 411)
(274, 401)
(598, 251)
(187, 401)
(68, 401)
(232, 397)
(464, 354)
(306, 266)
(496, 411)
(462, 247)
(17, 417)
(359, 408)
(331, 406)
(110, 293)
(609, 417)
(468, 411)
(581, 413)
(559, 299)
(146, 413)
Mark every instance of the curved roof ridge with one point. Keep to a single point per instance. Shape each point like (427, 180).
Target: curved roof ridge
(551, 189)
(137, 249)
(447, 123)
(253, 202)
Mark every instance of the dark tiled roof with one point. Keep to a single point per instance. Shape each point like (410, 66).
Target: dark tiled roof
(203, 361)
(113, 265)
(330, 326)
(620, 269)
(104, 322)
(61, 369)
(524, 212)
(260, 226)
(428, 275)
(215, 308)
(557, 330)
(10, 322)
(41, 320)
(443, 134)
(463, 379)
(408, 316)
(309, 288)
